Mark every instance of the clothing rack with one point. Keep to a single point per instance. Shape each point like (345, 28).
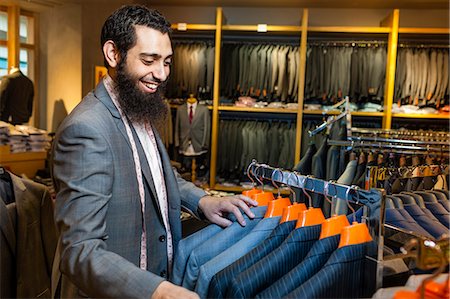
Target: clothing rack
(373, 201)
(399, 148)
(332, 119)
(410, 134)
(349, 43)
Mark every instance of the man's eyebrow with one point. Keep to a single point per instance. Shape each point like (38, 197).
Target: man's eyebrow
(153, 55)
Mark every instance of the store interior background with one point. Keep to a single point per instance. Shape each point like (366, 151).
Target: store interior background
(69, 32)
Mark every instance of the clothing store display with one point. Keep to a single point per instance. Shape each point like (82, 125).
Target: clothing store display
(229, 256)
(30, 239)
(270, 268)
(314, 260)
(16, 97)
(221, 281)
(421, 78)
(192, 129)
(192, 71)
(340, 277)
(217, 244)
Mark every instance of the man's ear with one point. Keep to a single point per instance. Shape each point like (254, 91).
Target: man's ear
(111, 54)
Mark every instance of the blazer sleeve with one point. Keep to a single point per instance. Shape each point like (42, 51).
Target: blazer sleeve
(207, 132)
(190, 195)
(83, 172)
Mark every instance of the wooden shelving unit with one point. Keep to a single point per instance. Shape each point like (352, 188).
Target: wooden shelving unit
(27, 163)
(389, 27)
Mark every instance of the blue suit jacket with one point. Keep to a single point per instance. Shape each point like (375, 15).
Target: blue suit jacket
(219, 283)
(217, 244)
(394, 217)
(432, 226)
(276, 264)
(341, 277)
(312, 263)
(185, 247)
(261, 231)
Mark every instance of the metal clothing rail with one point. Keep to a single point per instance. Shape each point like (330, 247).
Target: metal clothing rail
(332, 119)
(385, 145)
(404, 133)
(373, 200)
(403, 141)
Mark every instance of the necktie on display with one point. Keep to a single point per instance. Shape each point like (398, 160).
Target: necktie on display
(191, 114)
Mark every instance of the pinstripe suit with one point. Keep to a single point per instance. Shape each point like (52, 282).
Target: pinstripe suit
(274, 265)
(229, 256)
(220, 281)
(341, 277)
(312, 263)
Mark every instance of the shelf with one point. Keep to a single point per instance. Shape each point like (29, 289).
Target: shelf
(349, 29)
(27, 163)
(263, 110)
(270, 28)
(424, 30)
(431, 116)
(337, 112)
(192, 27)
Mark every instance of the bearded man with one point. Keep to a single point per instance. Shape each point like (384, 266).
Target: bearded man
(118, 199)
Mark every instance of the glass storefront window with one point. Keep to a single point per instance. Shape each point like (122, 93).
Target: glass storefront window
(26, 30)
(3, 25)
(3, 61)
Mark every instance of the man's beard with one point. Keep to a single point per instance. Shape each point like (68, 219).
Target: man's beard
(140, 107)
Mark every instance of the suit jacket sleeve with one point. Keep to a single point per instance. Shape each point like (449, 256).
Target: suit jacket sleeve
(83, 170)
(3, 93)
(190, 195)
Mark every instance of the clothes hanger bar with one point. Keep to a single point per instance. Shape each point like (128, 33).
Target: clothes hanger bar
(353, 144)
(404, 141)
(293, 179)
(401, 132)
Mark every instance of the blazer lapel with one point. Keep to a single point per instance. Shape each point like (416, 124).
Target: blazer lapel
(102, 94)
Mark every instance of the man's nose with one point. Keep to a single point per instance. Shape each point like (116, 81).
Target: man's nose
(161, 72)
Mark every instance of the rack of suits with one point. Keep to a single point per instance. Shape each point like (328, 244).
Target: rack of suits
(422, 77)
(354, 69)
(242, 140)
(192, 71)
(265, 71)
(272, 258)
(28, 238)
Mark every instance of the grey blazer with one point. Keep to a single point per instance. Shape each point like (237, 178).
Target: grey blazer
(198, 132)
(98, 210)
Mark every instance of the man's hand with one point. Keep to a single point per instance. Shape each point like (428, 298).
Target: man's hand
(167, 290)
(216, 208)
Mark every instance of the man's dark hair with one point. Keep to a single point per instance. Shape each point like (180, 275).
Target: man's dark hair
(120, 26)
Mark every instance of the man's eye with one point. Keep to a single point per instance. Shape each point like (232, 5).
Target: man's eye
(168, 63)
(147, 62)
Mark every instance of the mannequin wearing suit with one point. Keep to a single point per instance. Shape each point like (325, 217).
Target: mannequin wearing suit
(118, 199)
(16, 97)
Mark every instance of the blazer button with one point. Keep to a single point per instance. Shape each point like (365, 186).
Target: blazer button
(162, 238)
(163, 273)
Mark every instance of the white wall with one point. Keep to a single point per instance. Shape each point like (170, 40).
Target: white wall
(61, 60)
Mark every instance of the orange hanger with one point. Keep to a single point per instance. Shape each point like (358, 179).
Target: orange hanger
(292, 212)
(433, 290)
(310, 216)
(276, 206)
(357, 233)
(333, 226)
(251, 193)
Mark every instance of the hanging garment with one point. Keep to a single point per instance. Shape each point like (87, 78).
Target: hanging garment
(196, 133)
(35, 238)
(185, 247)
(311, 264)
(217, 244)
(281, 260)
(221, 281)
(341, 277)
(261, 231)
